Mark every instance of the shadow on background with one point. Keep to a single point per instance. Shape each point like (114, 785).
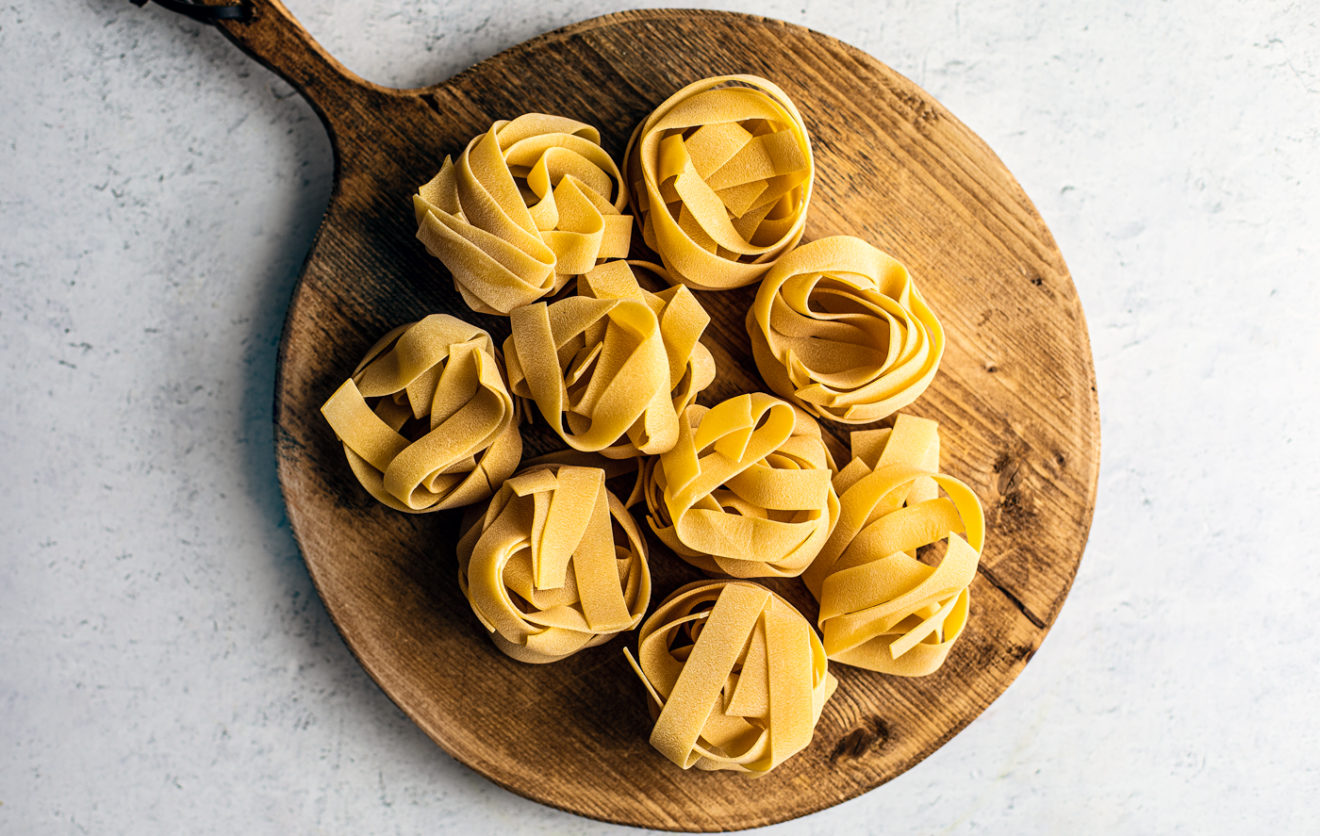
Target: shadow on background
(321, 653)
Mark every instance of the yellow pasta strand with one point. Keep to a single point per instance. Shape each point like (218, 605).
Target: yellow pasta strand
(426, 421)
(612, 368)
(839, 328)
(528, 205)
(746, 491)
(556, 564)
(880, 607)
(721, 175)
(736, 677)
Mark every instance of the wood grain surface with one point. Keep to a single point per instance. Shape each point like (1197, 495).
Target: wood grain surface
(1015, 397)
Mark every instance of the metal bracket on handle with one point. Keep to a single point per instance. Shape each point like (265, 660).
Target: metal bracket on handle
(200, 11)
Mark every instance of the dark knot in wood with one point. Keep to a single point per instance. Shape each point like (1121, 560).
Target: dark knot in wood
(871, 734)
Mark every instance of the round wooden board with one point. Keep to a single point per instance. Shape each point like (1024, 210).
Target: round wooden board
(1015, 398)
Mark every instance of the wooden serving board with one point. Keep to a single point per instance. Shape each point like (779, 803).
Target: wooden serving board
(1015, 397)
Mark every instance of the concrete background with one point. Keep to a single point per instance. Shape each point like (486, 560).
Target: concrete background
(166, 667)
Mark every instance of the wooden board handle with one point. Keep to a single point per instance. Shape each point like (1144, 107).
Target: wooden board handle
(275, 38)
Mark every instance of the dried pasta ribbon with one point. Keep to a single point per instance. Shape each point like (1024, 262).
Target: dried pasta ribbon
(737, 678)
(746, 491)
(880, 607)
(721, 176)
(555, 565)
(528, 205)
(426, 421)
(612, 368)
(839, 328)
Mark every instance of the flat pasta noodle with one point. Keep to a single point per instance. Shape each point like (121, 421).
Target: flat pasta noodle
(721, 175)
(527, 206)
(746, 491)
(882, 608)
(426, 420)
(624, 474)
(736, 678)
(839, 328)
(611, 368)
(555, 564)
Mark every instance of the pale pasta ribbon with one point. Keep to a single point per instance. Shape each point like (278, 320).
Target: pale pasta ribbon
(736, 677)
(880, 607)
(721, 175)
(746, 491)
(612, 368)
(556, 564)
(426, 421)
(528, 205)
(839, 327)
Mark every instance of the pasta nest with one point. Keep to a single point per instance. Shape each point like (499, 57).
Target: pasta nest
(426, 420)
(881, 607)
(555, 564)
(839, 328)
(612, 368)
(736, 677)
(721, 175)
(746, 491)
(528, 205)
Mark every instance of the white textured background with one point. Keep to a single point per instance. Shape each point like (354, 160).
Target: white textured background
(165, 666)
